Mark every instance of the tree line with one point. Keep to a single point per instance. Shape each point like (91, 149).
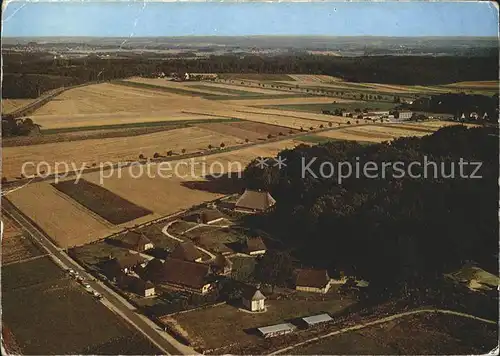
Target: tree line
(22, 71)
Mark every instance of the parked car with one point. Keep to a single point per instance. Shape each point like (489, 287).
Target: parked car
(71, 271)
(97, 295)
(87, 286)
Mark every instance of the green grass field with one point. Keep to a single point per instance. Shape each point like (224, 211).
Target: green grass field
(49, 313)
(229, 325)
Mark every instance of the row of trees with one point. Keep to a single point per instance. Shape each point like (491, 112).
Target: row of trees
(19, 127)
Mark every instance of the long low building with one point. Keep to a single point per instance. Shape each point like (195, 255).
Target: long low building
(276, 330)
(317, 319)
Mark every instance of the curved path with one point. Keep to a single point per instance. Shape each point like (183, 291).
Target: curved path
(166, 233)
(381, 321)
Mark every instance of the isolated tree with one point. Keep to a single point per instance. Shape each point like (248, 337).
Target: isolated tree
(170, 153)
(269, 136)
(156, 155)
(311, 128)
(275, 268)
(210, 147)
(141, 156)
(321, 126)
(222, 145)
(246, 140)
(183, 150)
(280, 133)
(290, 132)
(348, 122)
(330, 124)
(301, 129)
(357, 121)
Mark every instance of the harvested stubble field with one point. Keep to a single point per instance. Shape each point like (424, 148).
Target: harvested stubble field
(253, 131)
(388, 130)
(106, 98)
(292, 120)
(480, 84)
(379, 133)
(238, 89)
(255, 76)
(63, 318)
(88, 152)
(414, 335)
(319, 78)
(181, 86)
(9, 105)
(15, 246)
(350, 134)
(65, 221)
(348, 105)
(286, 101)
(79, 122)
(70, 224)
(107, 205)
(230, 325)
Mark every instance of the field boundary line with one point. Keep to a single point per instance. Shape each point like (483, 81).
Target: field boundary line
(382, 321)
(81, 207)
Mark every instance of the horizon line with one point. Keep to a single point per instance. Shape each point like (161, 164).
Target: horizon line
(330, 36)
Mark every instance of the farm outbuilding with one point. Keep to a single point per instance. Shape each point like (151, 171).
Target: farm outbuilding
(186, 251)
(312, 280)
(136, 241)
(254, 246)
(221, 265)
(317, 319)
(125, 264)
(253, 201)
(192, 276)
(276, 330)
(253, 299)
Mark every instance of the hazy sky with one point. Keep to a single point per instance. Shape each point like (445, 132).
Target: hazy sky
(124, 19)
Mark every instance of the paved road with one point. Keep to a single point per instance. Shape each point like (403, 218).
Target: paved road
(381, 321)
(154, 333)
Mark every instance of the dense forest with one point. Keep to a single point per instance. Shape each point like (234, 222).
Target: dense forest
(379, 69)
(458, 104)
(397, 232)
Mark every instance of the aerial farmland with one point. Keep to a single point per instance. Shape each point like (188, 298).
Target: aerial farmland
(171, 212)
(188, 118)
